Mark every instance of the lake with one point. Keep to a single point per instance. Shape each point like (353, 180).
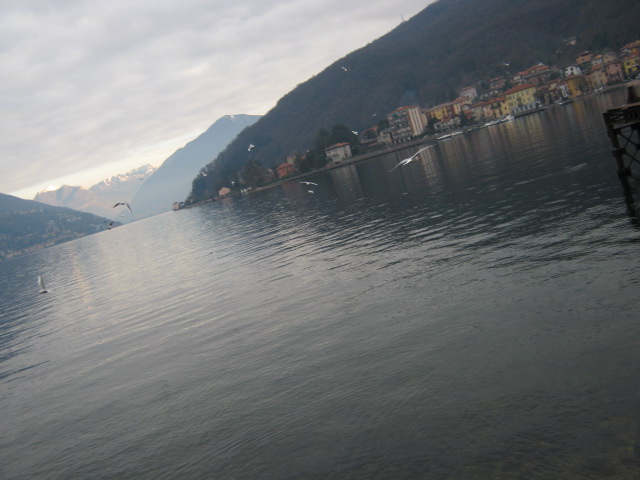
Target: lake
(472, 315)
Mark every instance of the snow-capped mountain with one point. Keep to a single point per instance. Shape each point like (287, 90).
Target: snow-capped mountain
(100, 198)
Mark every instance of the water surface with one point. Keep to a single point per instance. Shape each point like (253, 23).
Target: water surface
(470, 315)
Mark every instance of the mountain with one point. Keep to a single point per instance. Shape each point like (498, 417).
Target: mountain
(100, 198)
(172, 181)
(423, 61)
(27, 225)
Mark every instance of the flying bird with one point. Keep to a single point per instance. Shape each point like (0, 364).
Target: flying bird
(309, 183)
(347, 69)
(310, 191)
(406, 161)
(43, 289)
(354, 132)
(251, 145)
(126, 204)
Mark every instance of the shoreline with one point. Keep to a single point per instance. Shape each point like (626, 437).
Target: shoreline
(393, 148)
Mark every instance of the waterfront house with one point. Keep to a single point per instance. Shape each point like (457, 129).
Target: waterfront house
(521, 98)
(224, 191)
(596, 78)
(499, 107)
(285, 169)
(406, 123)
(338, 152)
(575, 85)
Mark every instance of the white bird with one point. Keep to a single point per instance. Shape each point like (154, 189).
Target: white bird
(346, 69)
(251, 145)
(354, 132)
(406, 161)
(126, 204)
(309, 183)
(310, 191)
(43, 289)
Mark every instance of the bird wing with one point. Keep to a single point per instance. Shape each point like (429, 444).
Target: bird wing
(127, 204)
(422, 150)
(116, 205)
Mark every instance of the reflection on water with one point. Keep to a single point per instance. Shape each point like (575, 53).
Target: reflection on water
(469, 315)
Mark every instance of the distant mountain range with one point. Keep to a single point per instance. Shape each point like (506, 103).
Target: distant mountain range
(27, 225)
(172, 181)
(424, 61)
(100, 198)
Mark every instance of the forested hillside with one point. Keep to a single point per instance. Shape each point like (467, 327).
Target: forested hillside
(450, 44)
(26, 225)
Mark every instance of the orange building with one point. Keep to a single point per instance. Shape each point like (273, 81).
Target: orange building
(285, 169)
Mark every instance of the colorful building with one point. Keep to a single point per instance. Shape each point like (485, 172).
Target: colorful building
(521, 98)
(631, 65)
(285, 169)
(406, 123)
(575, 85)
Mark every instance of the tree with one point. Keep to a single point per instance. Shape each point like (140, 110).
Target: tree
(253, 174)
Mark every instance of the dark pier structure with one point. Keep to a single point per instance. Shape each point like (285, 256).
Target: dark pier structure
(623, 128)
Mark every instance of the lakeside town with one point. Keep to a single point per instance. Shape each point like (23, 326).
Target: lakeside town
(486, 103)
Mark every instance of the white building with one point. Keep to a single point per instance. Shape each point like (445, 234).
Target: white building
(572, 70)
(338, 152)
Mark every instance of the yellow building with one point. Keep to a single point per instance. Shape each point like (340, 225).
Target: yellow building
(521, 97)
(631, 65)
(575, 85)
(441, 112)
(499, 107)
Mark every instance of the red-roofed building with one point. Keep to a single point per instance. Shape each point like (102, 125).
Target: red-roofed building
(406, 123)
(632, 48)
(521, 98)
(285, 169)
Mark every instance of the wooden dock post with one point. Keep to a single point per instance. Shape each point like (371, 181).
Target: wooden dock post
(623, 128)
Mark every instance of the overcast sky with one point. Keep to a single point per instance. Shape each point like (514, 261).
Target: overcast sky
(93, 88)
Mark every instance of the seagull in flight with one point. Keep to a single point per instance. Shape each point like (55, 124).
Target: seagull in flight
(309, 183)
(126, 204)
(43, 289)
(347, 69)
(310, 191)
(406, 161)
(251, 145)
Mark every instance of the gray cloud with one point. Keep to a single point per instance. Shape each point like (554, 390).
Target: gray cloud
(86, 84)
